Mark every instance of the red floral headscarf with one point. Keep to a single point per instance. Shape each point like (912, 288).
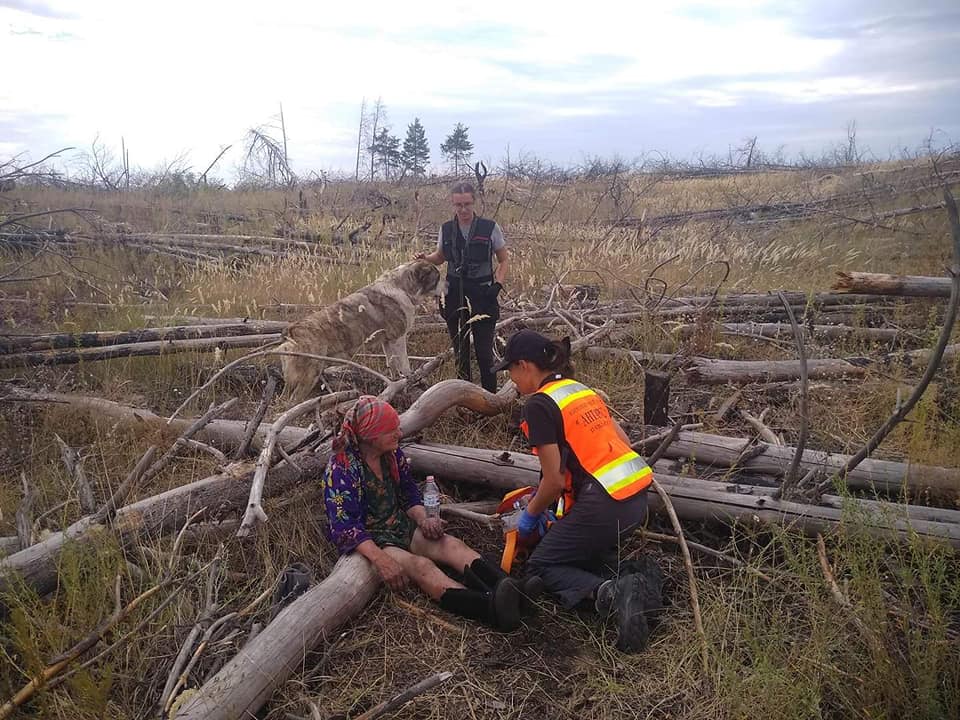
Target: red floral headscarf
(369, 418)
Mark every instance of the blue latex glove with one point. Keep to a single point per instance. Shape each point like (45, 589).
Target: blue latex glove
(528, 523)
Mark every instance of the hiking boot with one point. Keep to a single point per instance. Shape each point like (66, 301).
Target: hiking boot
(651, 581)
(604, 597)
(630, 611)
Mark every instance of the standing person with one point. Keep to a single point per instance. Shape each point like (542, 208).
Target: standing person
(597, 484)
(374, 508)
(468, 244)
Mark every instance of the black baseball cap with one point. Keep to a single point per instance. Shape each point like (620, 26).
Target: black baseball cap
(523, 345)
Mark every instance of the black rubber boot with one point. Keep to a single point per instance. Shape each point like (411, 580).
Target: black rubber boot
(487, 572)
(505, 601)
(498, 609)
(474, 581)
(531, 587)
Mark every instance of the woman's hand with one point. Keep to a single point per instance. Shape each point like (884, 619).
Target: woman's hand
(391, 573)
(432, 528)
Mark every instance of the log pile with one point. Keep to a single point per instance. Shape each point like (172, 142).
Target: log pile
(751, 491)
(246, 682)
(23, 351)
(185, 246)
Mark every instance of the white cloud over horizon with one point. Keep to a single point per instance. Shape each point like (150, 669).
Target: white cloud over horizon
(181, 77)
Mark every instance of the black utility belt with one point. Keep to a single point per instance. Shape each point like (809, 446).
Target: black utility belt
(488, 280)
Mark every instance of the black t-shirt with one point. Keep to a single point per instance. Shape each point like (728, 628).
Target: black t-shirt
(545, 427)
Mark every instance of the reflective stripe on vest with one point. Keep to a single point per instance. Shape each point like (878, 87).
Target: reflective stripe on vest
(590, 433)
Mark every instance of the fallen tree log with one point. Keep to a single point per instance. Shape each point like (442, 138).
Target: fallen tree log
(917, 357)
(137, 349)
(717, 372)
(776, 330)
(713, 371)
(245, 683)
(760, 307)
(901, 285)
(59, 341)
(228, 244)
(698, 500)
(819, 299)
(880, 475)
(450, 393)
(223, 494)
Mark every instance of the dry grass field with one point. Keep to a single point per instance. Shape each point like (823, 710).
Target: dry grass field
(778, 648)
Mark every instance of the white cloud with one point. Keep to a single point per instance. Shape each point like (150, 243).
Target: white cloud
(193, 76)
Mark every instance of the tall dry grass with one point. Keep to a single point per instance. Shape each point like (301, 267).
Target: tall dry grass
(778, 650)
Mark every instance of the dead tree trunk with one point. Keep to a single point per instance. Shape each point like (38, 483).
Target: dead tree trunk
(139, 349)
(694, 499)
(883, 284)
(713, 371)
(883, 475)
(222, 494)
(819, 332)
(245, 683)
(717, 372)
(71, 341)
(452, 393)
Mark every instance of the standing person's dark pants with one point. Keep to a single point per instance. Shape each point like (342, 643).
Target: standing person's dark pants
(579, 550)
(478, 300)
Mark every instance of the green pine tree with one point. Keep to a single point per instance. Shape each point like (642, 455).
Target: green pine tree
(457, 148)
(386, 150)
(416, 151)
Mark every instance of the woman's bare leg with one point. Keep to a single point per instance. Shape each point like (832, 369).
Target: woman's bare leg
(448, 550)
(422, 571)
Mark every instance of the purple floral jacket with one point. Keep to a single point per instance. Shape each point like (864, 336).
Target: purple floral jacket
(343, 497)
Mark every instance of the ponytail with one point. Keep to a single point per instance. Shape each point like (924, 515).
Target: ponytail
(557, 357)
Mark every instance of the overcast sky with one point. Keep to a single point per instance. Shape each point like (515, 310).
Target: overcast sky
(627, 78)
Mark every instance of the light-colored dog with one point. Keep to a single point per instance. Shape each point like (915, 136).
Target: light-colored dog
(383, 311)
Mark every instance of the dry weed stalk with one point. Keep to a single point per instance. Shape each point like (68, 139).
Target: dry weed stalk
(681, 539)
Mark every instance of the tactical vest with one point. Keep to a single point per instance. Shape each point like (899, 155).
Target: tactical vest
(589, 431)
(469, 258)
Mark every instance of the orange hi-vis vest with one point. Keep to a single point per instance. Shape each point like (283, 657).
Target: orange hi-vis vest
(589, 431)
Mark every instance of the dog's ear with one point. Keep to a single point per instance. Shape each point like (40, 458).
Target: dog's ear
(427, 275)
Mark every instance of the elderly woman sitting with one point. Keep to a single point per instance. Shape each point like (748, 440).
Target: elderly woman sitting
(375, 509)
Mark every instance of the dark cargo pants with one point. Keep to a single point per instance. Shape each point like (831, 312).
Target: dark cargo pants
(579, 551)
(482, 301)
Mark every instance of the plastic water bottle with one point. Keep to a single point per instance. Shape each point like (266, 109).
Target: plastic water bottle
(431, 497)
